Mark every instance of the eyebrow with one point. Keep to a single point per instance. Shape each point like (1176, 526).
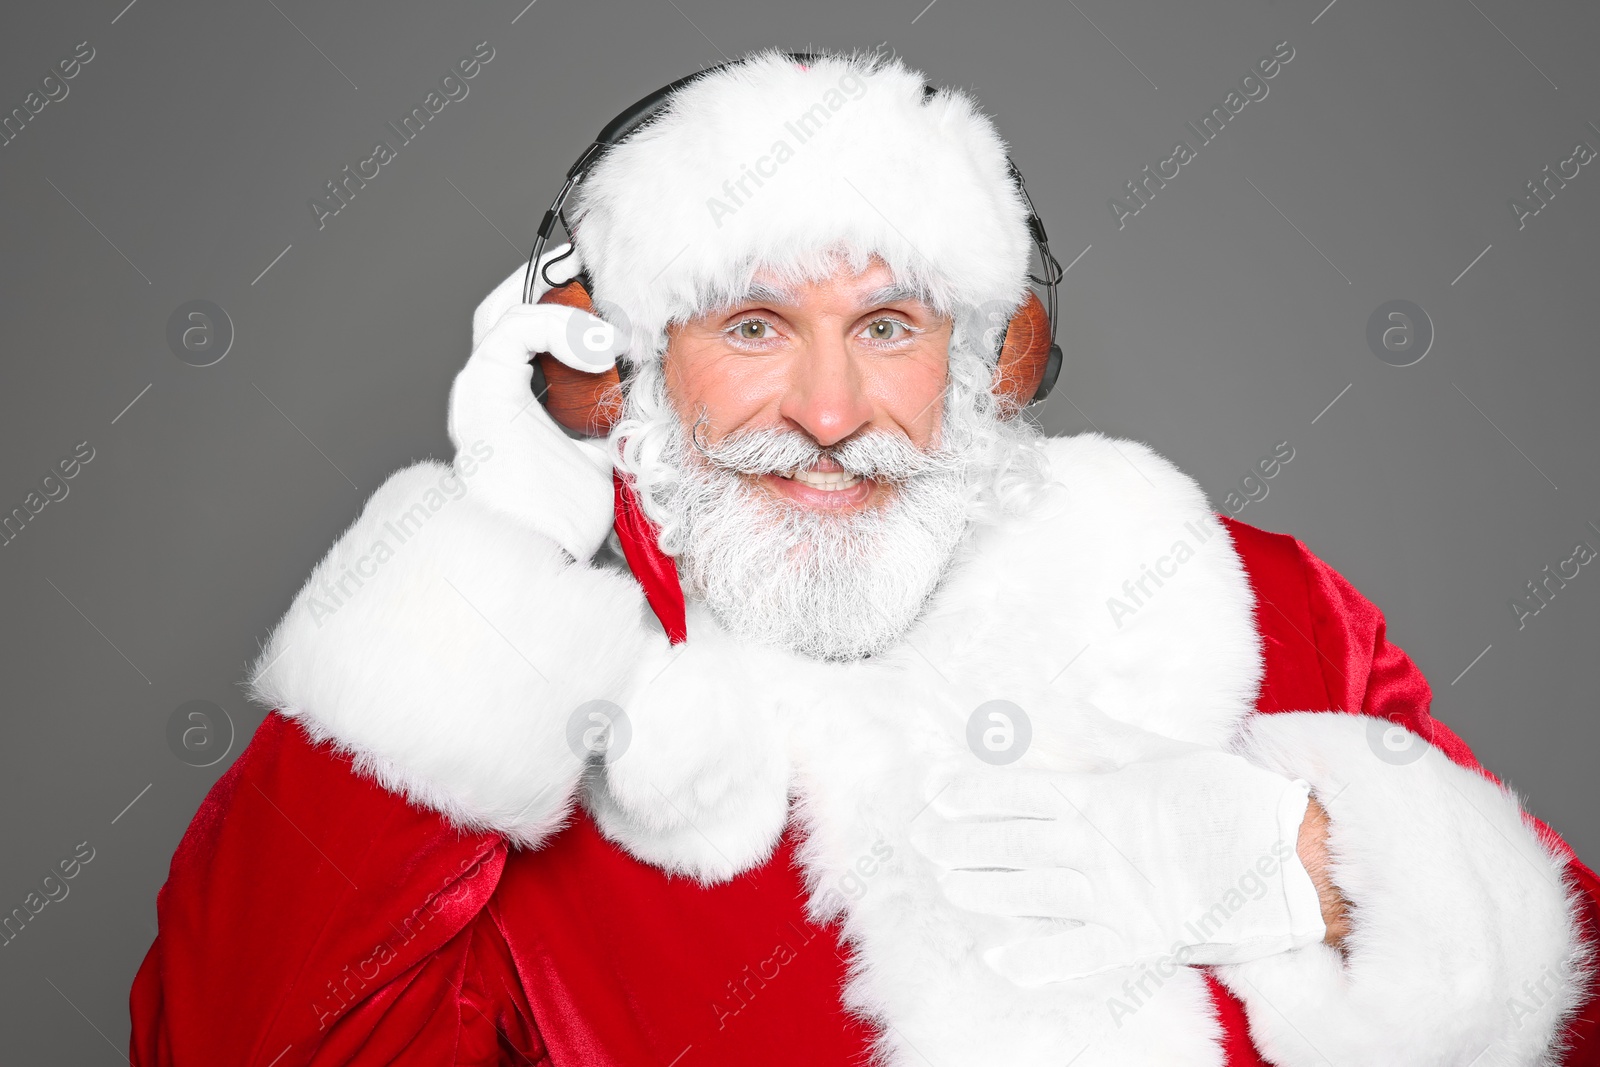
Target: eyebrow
(759, 292)
(893, 294)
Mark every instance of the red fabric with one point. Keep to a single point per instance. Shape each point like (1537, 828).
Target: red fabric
(656, 571)
(310, 917)
(649, 969)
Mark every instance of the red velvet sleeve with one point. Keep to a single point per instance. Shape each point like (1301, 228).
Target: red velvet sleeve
(311, 917)
(1361, 670)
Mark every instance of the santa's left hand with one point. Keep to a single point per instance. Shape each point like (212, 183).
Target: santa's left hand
(1191, 855)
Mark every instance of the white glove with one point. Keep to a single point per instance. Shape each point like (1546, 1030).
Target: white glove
(1191, 854)
(530, 469)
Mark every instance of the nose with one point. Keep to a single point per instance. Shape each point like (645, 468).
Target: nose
(825, 396)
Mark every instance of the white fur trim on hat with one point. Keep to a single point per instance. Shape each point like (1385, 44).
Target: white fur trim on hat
(769, 164)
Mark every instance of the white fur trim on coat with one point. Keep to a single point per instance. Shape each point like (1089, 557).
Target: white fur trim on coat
(767, 164)
(1465, 944)
(446, 647)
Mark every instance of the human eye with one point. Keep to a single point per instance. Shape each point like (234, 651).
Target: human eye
(887, 331)
(751, 331)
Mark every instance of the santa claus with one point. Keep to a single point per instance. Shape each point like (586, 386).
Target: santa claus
(824, 710)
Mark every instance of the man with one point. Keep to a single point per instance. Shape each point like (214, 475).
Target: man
(980, 748)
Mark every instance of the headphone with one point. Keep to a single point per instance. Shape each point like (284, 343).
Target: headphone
(591, 404)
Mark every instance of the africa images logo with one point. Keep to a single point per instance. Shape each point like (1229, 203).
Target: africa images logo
(1252, 87)
(330, 591)
(453, 88)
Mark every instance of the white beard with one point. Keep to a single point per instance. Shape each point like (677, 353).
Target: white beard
(832, 585)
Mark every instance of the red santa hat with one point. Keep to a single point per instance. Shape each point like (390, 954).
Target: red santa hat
(768, 163)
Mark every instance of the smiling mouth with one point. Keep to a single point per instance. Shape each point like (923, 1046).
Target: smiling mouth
(825, 481)
(824, 485)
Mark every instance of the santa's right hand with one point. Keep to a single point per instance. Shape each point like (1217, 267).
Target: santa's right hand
(538, 474)
(578, 338)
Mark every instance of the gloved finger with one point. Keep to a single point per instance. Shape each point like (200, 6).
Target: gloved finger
(1080, 952)
(1009, 843)
(1012, 792)
(577, 338)
(556, 267)
(1045, 893)
(509, 292)
(490, 398)
(589, 343)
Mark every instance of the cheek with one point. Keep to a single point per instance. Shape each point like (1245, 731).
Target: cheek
(911, 395)
(704, 381)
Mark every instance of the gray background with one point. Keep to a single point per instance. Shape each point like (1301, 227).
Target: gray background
(1221, 320)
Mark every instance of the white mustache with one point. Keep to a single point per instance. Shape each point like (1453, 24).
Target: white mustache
(878, 454)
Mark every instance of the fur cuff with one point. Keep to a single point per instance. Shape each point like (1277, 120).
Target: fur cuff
(449, 648)
(1465, 944)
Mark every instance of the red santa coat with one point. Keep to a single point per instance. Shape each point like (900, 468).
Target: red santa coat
(314, 916)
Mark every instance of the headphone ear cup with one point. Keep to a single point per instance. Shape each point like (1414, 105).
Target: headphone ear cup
(589, 404)
(1025, 358)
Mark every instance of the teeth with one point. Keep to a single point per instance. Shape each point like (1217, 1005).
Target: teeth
(827, 481)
